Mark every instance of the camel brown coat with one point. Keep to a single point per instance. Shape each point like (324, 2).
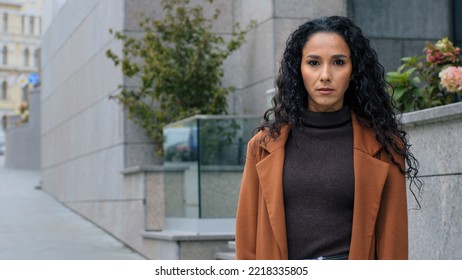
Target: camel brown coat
(380, 229)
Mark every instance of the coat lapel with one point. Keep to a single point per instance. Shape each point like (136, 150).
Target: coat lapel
(270, 173)
(370, 176)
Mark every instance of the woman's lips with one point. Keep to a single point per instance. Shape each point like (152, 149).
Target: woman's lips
(325, 90)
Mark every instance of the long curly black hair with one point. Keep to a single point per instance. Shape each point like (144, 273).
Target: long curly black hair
(366, 95)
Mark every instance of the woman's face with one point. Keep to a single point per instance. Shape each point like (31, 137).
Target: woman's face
(326, 69)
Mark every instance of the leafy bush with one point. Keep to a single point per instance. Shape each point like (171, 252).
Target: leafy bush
(178, 63)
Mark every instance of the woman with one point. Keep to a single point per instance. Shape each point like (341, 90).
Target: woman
(325, 176)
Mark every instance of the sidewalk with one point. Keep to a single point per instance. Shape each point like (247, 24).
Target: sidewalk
(33, 225)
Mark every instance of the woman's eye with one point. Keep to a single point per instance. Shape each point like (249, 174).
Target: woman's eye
(313, 63)
(339, 62)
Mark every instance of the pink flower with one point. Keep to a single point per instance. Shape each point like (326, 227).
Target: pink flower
(443, 52)
(23, 107)
(451, 79)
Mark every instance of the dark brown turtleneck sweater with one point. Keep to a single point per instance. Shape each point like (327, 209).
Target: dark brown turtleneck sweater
(319, 185)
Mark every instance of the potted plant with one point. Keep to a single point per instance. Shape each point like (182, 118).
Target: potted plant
(429, 80)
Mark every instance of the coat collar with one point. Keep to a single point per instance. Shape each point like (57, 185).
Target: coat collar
(370, 175)
(363, 139)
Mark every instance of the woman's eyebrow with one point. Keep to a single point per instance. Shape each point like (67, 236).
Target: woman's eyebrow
(315, 56)
(340, 56)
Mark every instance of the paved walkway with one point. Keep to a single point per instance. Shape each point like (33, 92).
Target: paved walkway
(33, 225)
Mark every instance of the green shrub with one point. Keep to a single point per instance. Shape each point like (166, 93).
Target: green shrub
(178, 63)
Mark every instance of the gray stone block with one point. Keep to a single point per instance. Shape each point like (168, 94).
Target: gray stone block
(201, 250)
(164, 250)
(233, 70)
(140, 154)
(257, 10)
(220, 193)
(435, 231)
(123, 219)
(174, 193)
(258, 55)
(252, 99)
(388, 52)
(79, 178)
(308, 9)
(404, 19)
(135, 10)
(155, 201)
(134, 133)
(174, 245)
(283, 27)
(434, 135)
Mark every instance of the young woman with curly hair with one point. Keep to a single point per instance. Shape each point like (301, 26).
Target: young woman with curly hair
(325, 176)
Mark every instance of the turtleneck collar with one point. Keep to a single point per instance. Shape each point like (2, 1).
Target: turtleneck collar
(325, 120)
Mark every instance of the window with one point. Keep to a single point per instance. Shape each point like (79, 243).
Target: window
(4, 90)
(23, 24)
(26, 57)
(31, 25)
(5, 22)
(5, 55)
(25, 94)
(37, 58)
(457, 24)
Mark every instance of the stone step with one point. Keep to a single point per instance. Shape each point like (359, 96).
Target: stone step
(225, 256)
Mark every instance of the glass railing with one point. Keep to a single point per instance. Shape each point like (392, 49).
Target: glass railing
(203, 163)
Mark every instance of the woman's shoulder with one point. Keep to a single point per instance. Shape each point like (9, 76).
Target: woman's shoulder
(367, 140)
(259, 137)
(269, 139)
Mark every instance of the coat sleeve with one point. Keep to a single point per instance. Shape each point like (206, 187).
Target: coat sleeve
(392, 222)
(246, 217)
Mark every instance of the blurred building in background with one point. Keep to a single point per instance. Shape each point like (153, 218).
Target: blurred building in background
(20, 30)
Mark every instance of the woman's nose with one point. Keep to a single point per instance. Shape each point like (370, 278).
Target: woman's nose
(325, 73)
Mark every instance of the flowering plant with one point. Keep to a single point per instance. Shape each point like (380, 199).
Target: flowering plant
(442, 53)
(23, 107)
(430, 80)
(24, 112)
(451, 79)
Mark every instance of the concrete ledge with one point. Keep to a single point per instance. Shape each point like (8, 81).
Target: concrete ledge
(436, 114)
(222, 168)
(150, 168)
(186, 236)
(159, 168)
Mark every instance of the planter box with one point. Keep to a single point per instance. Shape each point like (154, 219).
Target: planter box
(436, 138)
(190, 201)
